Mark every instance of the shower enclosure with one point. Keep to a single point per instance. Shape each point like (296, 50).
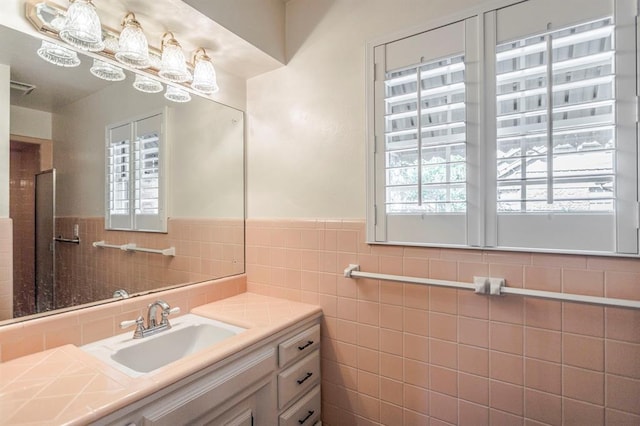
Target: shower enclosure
(45, 192)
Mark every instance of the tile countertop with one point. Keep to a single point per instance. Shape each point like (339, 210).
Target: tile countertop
(65, 385)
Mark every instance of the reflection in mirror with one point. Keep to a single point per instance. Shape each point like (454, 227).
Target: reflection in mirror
(61, 125)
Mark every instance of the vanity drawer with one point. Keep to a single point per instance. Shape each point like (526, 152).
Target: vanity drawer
(304, 412)
(299, 345)
(299, 378)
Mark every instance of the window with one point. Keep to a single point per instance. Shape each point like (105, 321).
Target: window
(555, 121)
(548, 162)
(424, 100)
(425, 138)
(135, 175)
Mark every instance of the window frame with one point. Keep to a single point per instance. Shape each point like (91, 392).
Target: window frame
(455, 226)
(482, 220)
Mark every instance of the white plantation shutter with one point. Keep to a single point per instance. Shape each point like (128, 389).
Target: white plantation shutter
(519, 131)
(119, 178)
(422, 141)
(149, 196)
(135, 168)
(561, 129)
(436, 117)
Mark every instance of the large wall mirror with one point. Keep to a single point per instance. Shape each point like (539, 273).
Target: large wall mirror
(58, 180)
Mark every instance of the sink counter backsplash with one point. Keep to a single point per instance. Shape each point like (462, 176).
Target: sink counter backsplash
(81, 326)
(65, 385)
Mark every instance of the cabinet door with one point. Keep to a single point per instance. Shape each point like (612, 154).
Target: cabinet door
(243, 419)
(240, 415)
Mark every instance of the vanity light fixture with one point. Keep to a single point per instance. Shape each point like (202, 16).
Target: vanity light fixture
(106, 71)
(58, 55)
(146, 84)
(177, 95)
(204, 75)
(133, 48)
(174, 65)
(82, 28)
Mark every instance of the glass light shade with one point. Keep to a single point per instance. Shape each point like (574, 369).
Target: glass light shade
(155, 61)
(174, 65)
(110, 42)
(58, 22)
(106, 71)
(58, 55)
(133, 49)
(146, 84)
(177, 95)
(82, 27)
(204, 75)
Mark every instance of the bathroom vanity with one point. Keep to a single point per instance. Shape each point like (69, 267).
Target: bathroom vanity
(273, 382)
(268, 374)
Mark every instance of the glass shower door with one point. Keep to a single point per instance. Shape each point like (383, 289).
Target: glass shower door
(45, 189)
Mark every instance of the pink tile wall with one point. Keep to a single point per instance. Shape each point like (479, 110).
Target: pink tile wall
(6, 268)
(87, 325)
(24, 164)
(205, 249)
(406, 354)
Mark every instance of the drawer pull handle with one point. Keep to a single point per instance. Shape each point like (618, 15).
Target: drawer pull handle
(306, 345)
(306, 417)
(304, 379)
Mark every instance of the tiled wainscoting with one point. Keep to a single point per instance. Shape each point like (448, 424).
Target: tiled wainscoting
(398, 353)
(98, 322)
(205, 248)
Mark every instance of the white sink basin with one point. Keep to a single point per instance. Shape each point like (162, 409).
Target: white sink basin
(188, 334)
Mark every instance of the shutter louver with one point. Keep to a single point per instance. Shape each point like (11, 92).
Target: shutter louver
(135, 194)
(556, 144)
(425, 138)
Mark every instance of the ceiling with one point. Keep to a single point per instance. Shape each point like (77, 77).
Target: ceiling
(54, 87)
(191, 28)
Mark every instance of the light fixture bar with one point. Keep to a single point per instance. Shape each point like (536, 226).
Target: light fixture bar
(48, 19)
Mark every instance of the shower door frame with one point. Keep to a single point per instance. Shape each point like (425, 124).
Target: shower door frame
(47, 244)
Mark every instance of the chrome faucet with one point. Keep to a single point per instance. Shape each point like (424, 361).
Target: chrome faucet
(152, 317)
(153, 326)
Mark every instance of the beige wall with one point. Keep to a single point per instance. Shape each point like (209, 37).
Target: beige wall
(33, 126)
(30, 122)
(306, 121)
(207, 162)
(204, 141)
(263, 26)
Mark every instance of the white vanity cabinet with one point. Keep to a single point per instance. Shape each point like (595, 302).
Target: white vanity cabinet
(273, 382)
(299, 378)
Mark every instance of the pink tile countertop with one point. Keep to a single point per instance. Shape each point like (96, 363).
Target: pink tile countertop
(65, 385)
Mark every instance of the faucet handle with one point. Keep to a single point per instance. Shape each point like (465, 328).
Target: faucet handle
(167, 312)
(138, 322)
(129, 323)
